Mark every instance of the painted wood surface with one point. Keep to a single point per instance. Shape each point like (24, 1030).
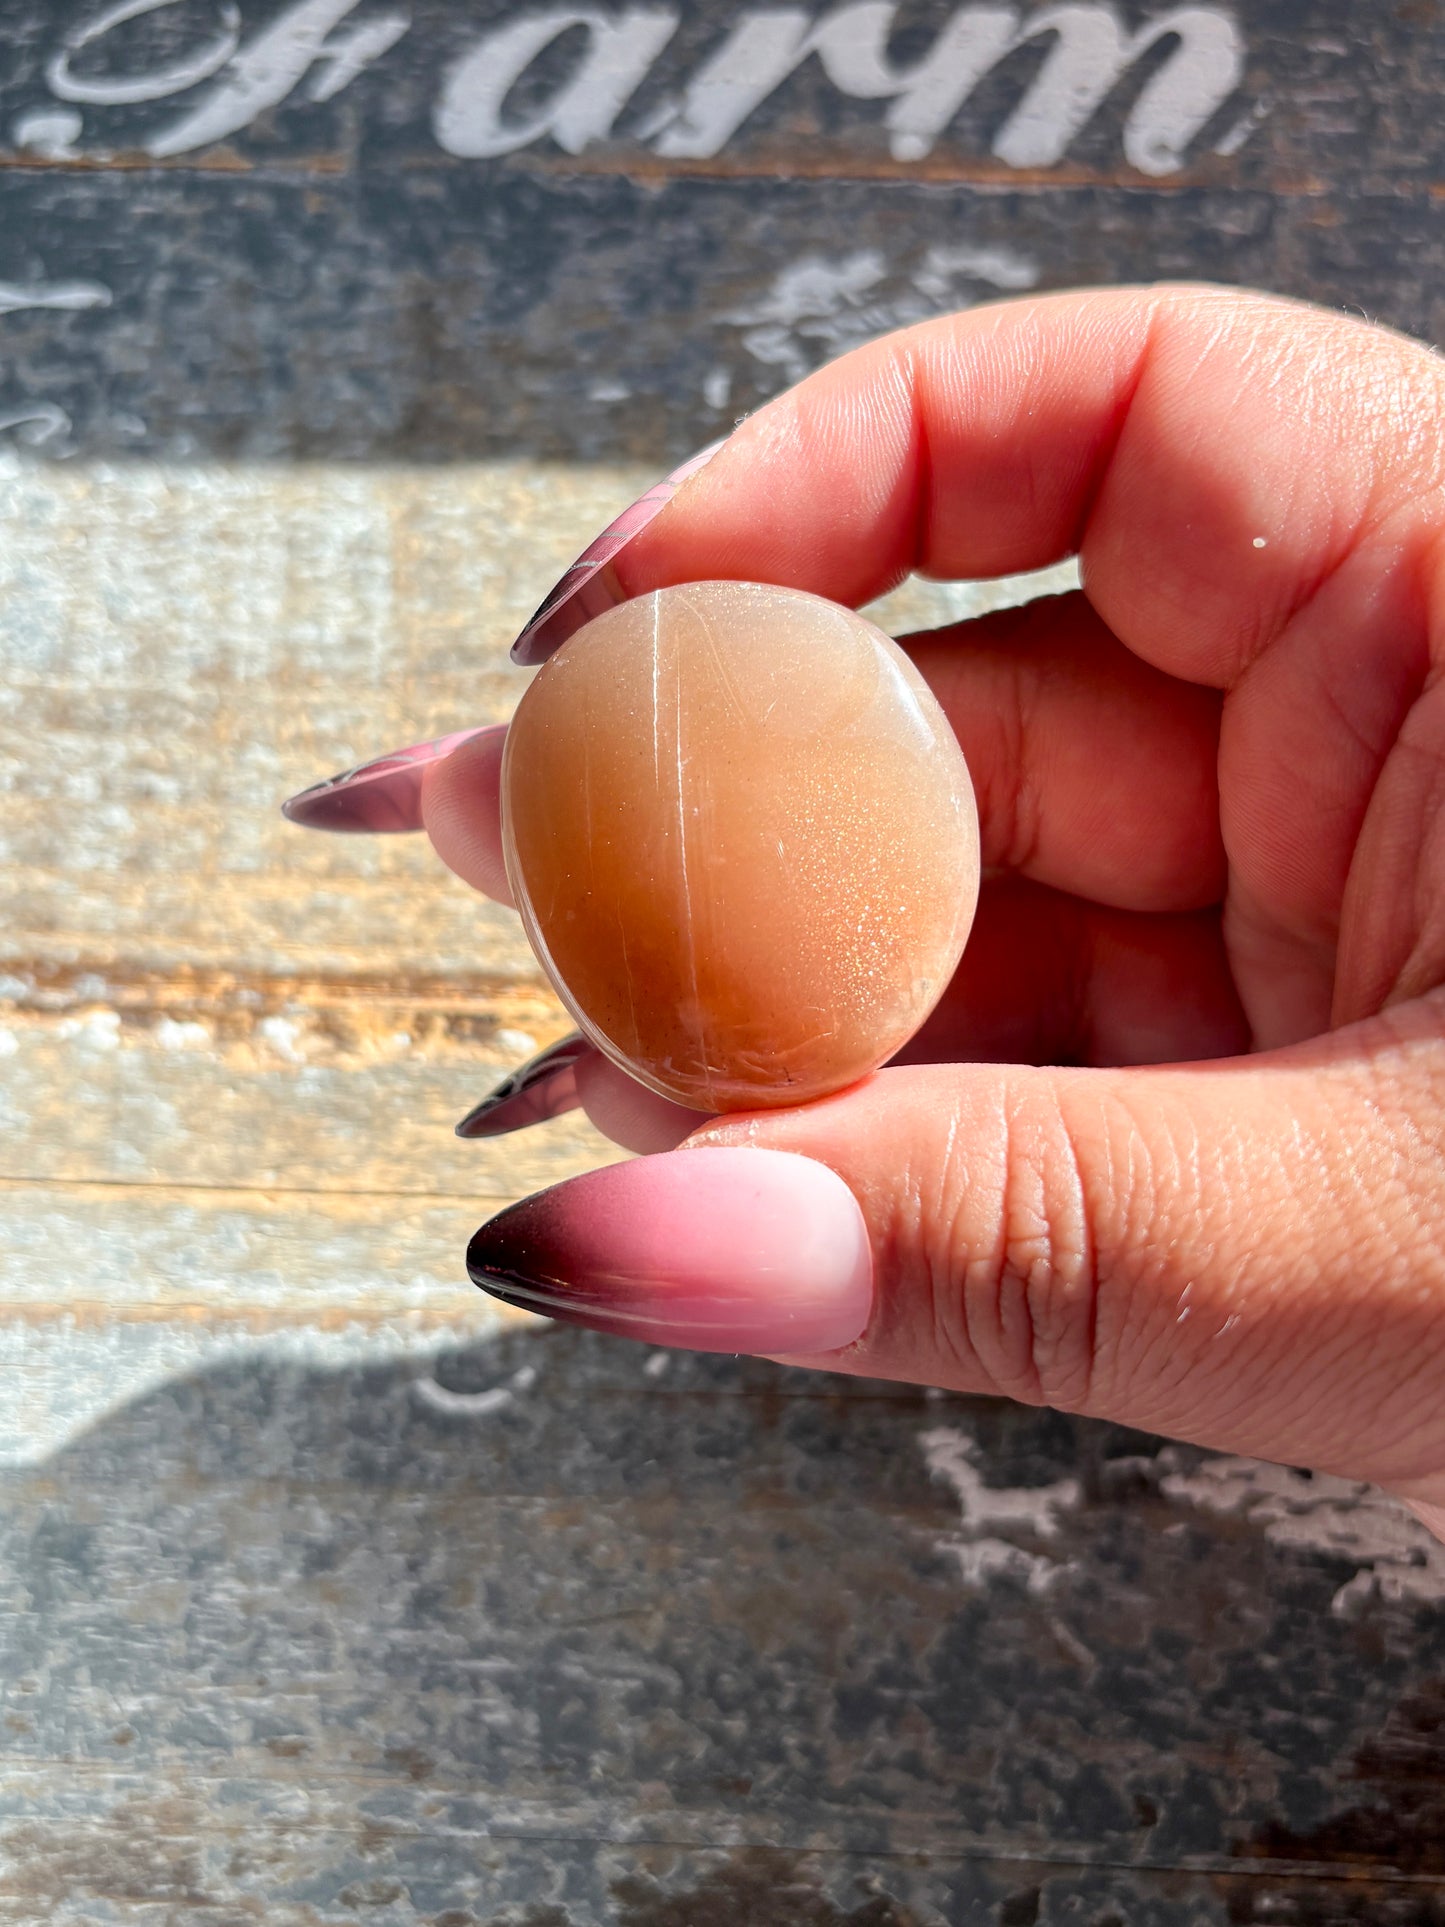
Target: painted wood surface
(329, 330)
(439, 231)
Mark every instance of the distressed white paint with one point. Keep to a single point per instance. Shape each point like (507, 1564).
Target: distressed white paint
(62, 1382)
(495, 1398)
(821, 306)
(119, 90)
(62, 296)
(38, 423)
(440, 1398)
(96, 1030)
(717, 387)
(470, 117)
(268, 69)
(171, 1035)
(1394, 1556)
(1091, 52)
(346, 56)
(50, 132)
(520, 1043)
(992, 1519)
(1239, 131)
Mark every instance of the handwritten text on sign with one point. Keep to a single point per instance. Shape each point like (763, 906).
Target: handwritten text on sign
(314, 49)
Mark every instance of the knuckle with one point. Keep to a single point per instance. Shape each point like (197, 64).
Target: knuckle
(1026, 1296)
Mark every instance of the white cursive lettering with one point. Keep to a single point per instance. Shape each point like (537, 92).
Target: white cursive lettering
(269, 68)
(1087, 50)
(120, 91)
(620, 49)
(1092, 51)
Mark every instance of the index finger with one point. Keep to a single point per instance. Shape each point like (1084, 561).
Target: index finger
(1212, 456)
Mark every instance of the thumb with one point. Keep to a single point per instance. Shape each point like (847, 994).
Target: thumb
(1248, 1254)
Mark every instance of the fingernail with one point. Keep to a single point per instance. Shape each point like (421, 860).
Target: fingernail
(382, 797)
(545, 1086)
(590, 585)
(719, 1249)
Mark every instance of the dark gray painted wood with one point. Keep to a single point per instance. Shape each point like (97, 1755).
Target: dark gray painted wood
(329, 279)
(715, 1643)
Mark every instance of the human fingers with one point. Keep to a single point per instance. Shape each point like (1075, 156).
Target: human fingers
(1159, 431)
(1094, 772)
(462, 814)
(628, 1113)
(1250, 1254)
(1048, 978)
(1255, 489)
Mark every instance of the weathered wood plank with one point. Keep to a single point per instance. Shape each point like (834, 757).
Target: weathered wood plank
(183, 648)
(611, 1640)
(262, 1117)
(319, 236)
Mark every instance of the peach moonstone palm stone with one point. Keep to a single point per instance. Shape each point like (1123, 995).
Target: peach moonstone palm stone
(743, 841)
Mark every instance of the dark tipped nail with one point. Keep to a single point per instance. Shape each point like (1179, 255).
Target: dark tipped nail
(590, 585)
(545, 1086)
(716, 1249)
(382, 797)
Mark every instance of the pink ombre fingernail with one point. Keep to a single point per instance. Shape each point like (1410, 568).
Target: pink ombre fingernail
(545, 1086)
(590, 585)
(717, 1249)
(380, 797)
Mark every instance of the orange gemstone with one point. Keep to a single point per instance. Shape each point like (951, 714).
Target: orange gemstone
(743, 841)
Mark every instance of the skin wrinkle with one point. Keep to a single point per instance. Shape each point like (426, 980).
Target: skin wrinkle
(958, 1268)
(1348, 535)
(1421, 967)
(901, 1248)
(920, 459)
(1253, 942)
(1068, 1205)
(1043, 1282)
(1107, 455)
(1432, 589)
(1381, 504)
(1221, 1250)
(1128, 1185)
(1021, 845)
(1320, 928)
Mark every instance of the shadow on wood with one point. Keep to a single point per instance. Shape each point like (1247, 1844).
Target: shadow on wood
(553, 1630)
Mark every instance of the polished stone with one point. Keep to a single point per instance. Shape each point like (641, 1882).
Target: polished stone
(743, 841)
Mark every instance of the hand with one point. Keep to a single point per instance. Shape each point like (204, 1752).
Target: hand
(1172, 1150)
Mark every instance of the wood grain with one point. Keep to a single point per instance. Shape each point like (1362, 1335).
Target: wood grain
(328, 1594)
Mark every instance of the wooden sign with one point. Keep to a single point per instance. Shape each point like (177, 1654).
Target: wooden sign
(364, 228)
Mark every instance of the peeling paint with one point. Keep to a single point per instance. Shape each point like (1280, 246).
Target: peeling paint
(1395, 1556)
(993, 1519)
(823, 305)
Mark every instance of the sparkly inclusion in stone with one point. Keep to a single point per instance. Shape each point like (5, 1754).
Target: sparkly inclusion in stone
(743, 840)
